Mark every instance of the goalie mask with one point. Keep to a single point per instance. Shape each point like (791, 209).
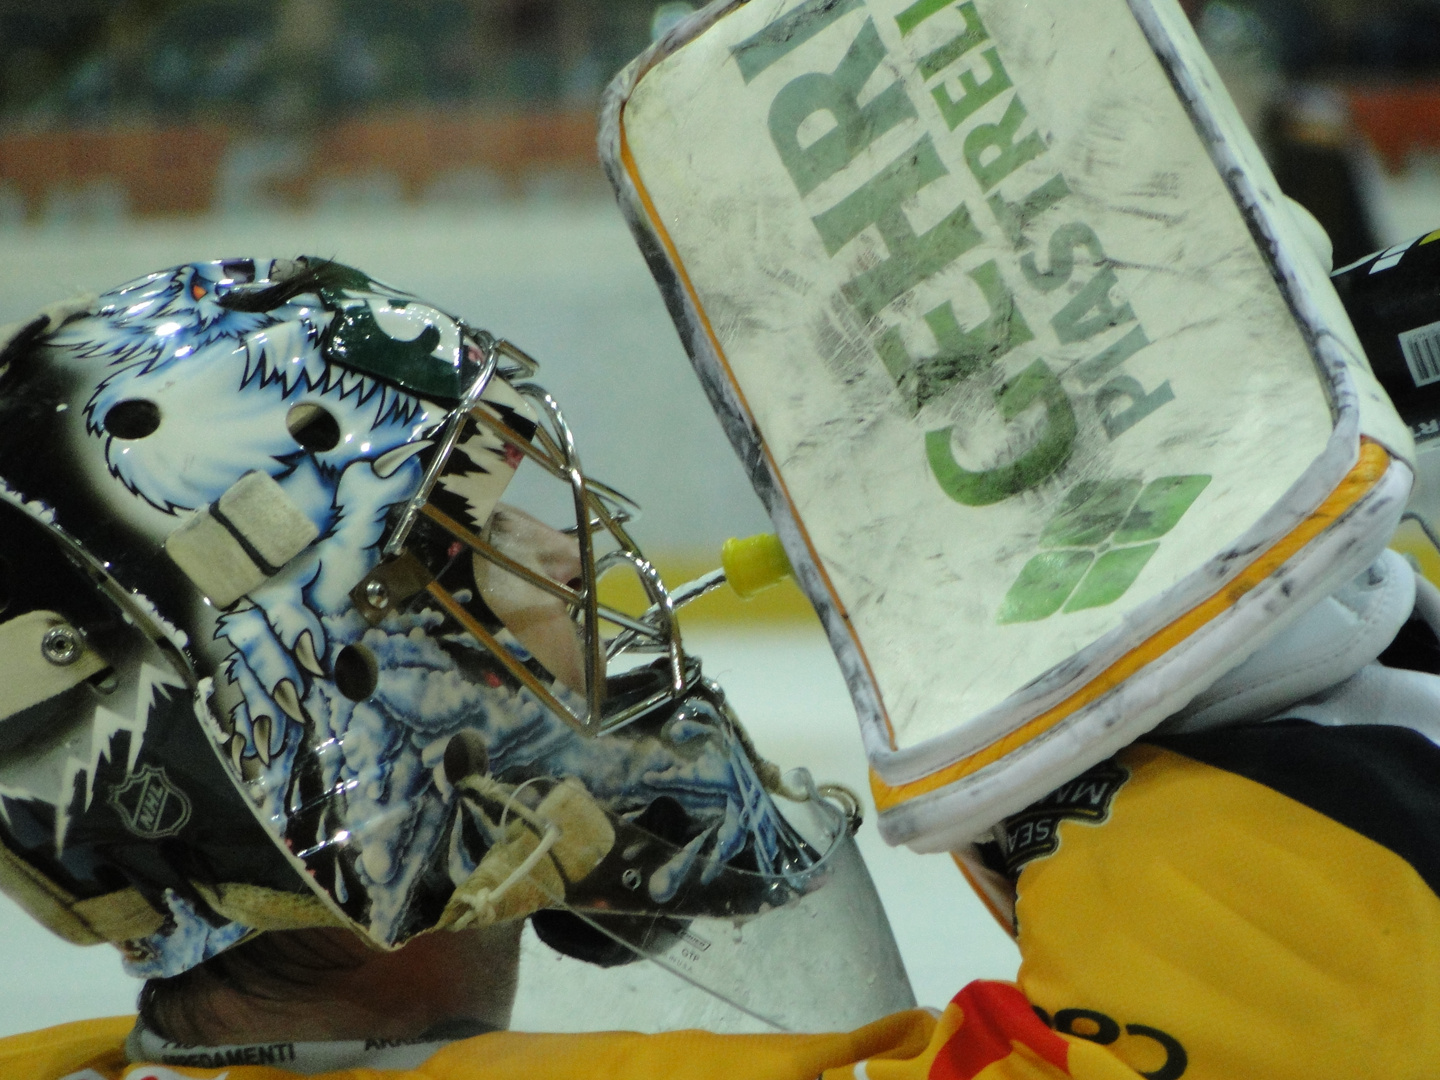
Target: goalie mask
(272, 658)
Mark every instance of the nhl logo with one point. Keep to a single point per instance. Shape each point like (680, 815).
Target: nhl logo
(150, 805)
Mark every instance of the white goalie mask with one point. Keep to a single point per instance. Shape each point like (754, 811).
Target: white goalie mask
(280, 665)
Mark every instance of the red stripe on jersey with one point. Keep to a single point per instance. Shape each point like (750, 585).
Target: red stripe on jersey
(995, 1015)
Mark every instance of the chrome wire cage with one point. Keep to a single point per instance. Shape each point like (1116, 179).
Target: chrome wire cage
(599, 511)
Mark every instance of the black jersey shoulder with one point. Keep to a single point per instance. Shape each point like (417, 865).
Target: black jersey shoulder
(1380, 781)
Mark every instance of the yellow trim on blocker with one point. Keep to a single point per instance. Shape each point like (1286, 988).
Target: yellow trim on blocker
(1371, 466)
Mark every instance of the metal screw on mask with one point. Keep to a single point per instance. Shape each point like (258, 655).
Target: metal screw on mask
(61, 646)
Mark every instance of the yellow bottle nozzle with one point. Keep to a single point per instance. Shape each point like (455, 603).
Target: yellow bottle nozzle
(754, 563)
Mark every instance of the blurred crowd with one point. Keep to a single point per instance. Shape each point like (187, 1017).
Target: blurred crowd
(1322, 38)
(281, 63)
(1316, 80)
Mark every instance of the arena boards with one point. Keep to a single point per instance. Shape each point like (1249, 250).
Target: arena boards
(1047, 392)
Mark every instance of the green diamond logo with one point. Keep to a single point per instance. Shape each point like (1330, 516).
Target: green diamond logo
(1097, 543)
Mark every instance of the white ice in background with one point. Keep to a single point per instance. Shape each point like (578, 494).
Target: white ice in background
(1405, 204)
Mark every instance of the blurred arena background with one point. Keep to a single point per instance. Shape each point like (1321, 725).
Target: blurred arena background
(448, 146)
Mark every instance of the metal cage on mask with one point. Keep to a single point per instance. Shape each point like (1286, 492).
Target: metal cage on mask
(597, 507)
(405, 573)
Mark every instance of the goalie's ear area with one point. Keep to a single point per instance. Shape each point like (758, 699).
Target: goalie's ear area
(1056, 411)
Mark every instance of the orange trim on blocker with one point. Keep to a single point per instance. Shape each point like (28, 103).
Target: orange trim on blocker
(632, 170)
(1366, 473)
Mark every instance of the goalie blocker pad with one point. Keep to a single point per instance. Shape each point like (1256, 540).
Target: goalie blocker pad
(1057, 415)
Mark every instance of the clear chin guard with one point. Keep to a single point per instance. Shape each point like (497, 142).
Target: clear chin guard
(821, 957)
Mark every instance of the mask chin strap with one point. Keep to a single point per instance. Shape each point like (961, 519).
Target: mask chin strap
(401, 575)
(534, 854)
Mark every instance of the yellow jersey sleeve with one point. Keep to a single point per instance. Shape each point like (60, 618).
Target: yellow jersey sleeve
(1250, 902)
(89, 1049)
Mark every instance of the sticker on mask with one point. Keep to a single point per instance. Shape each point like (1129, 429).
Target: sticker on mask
(1035, 831)
(150, 804)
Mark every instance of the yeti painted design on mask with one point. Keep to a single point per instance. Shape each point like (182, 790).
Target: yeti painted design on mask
(355, 790)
